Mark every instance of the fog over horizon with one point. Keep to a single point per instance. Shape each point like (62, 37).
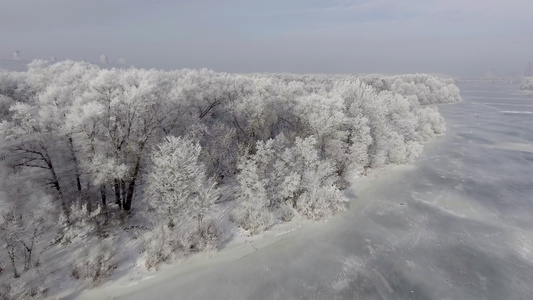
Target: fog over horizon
(453, 37)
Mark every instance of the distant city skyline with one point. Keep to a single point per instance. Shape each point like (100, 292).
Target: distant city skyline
(529, 70)
(102, 59)
(301, 36)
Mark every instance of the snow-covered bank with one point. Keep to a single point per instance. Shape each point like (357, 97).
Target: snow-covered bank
(242, 246)
(136, 278)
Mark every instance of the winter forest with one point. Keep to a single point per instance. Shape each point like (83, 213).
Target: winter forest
(104, 169)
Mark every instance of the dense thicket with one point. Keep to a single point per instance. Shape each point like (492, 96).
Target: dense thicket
(165, 144)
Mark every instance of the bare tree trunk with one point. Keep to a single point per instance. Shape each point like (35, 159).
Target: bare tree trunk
(118, 199)
(27, 255)
(11, 252)
(123, 191)
(75, 160)
(104, 196)
(131, 186)
(55, 182)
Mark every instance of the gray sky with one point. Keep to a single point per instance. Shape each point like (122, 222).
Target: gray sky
(457, 37)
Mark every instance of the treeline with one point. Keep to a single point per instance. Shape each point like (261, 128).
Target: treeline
(109, 144)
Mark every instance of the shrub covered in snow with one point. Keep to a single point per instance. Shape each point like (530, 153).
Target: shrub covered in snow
(205, 237)
(80, 222)
(21, 233)
(158, 246)
(30, 285)
(287, 212)
(253, 215)
(282, 173)
(163, 244)
(95, 265)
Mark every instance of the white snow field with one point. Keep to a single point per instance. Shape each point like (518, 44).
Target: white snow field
(455, 224)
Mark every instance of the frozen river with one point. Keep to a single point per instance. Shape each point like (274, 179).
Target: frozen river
(456, 224)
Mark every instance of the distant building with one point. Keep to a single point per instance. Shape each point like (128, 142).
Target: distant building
(489, 74)
(104, 59)
(529, 70)
(16, 55)
(53, 59)
(121, 61)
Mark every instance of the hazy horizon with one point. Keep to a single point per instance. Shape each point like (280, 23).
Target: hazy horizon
(452, 37)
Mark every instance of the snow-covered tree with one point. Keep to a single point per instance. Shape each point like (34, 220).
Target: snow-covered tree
(322, 117)
(177, 184)
(280, 173)
(254, 213)
(36, 134)
(118, 116)
(25, 214)
(31, 143)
